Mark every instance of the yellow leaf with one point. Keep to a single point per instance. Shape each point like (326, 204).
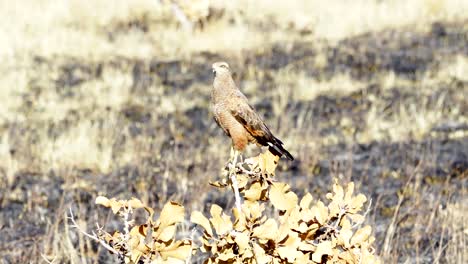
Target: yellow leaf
(135, 256)
(305, 201)
(180, 250)
(313, 228)
(320, 212)
(283, 233)
(260, 255)
(135, 203)
(357, 218)
(226, 256)
(345, 223)
(171, 213)
(307, 247)
(221, 223)
(139, 230)
(102, 201)
(281, 197)
(169, 260)
(294, 218)
(242, 181)
(167, 233)
(266, 162)
(307, 215)
(240, 221)
(357, 202)
(344, 237)
(324, 248)
(361, 235)
(267, 230)
(349, 192)
(288, 253)
(293, 240)
(254, 192)
(334, 208)
(199, 219)
(218, 184)
(115, 205)
(305, 258)
(337, 195)
(348, 256)
(242, 240)
(253, 209)
(302, 228)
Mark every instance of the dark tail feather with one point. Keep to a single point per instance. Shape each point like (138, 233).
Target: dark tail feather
(278, 149)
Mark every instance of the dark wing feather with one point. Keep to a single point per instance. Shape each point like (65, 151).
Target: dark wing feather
(246, 115)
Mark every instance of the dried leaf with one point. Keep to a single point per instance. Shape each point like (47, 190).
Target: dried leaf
(253, 210)
(344, 237)
(227, 256)
(266, 162)
(167, 233)
(242, 181)
(349, 192)
(267, 231)
(281, 197)
(221, 223)
(218, 184)
(320, 212)
(115, 205)
(242, 240)
(361, 235)
(198, 218)
(356, 203)
(180, 250)
(171, 213)
(324, 248)
(102, 201)
(135, 203)
(288, 253)
(254, 192)
(305, 201)
(293, 240)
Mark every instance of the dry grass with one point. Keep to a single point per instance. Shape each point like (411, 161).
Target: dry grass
(112, 98)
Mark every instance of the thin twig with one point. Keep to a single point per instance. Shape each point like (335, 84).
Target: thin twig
(235, 186)
(48, 261)
(93, 237)
(364, 215)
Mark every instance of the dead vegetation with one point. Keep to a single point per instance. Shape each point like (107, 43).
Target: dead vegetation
(111, 100)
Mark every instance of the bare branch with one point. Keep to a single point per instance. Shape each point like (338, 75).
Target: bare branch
(93, 237)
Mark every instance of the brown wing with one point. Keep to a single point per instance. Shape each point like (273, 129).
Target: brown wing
(246, 115)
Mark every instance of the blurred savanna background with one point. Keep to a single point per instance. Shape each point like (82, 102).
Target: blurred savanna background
(111, 98)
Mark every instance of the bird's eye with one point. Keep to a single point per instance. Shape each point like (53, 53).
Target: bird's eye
(223, 66)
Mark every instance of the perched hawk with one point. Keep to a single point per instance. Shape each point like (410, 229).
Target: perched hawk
(237, 118)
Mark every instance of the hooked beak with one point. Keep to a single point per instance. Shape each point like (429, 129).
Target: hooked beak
(214, 72)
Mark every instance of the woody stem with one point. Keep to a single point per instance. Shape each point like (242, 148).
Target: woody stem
(232, 175)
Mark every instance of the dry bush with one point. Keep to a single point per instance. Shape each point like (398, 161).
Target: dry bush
(150, 242)
(298, 231)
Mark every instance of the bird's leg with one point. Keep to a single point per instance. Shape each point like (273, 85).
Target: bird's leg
(236, 155)
(233, 158)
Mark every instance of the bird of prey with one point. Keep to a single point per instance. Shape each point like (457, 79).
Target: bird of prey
(237, 118)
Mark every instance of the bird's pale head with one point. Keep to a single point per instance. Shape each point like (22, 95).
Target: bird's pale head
(221, 68)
